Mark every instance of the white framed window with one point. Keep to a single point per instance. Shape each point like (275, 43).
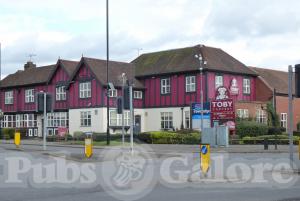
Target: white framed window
(85, 90)
(190, 84)
(246, 86)
(113, 93)
(86, 119)
(138, 94)
(115, 119)
(261, 116)
(165, 86)
(30, 132)
(187, 119)
(218, 81)
(35, 132)
(58, 119)
(243, 113)
(60, 93)
(9, 97)
(166, 120)
(283, 120)
(29, 95)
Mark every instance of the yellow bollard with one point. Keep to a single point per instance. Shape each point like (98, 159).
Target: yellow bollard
(88, 147)
(299, 148)
(205, 157)
(17, 138)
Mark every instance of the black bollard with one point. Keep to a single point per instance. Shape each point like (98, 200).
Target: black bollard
(266, 144)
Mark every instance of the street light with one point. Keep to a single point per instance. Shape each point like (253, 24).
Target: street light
(200, 58)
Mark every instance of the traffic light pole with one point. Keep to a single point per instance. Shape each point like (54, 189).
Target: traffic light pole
(131, 118)
(123, 121)
(45, 123)
(290, 120)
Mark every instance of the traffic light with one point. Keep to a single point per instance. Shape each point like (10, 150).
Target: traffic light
(40, 102)
(297, 80)
(119, 105)
(126, 97)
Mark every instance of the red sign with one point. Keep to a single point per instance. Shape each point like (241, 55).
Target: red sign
(222, 109)
(62, 131)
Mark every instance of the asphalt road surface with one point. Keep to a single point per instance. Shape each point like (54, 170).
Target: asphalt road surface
(172, 177)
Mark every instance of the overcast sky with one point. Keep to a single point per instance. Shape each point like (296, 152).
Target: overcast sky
(264, 33)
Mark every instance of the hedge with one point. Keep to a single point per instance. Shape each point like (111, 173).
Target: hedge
(7, 133)
(251, 128)
(166, 137)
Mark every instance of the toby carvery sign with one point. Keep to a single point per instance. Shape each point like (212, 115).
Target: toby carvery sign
(222, 109)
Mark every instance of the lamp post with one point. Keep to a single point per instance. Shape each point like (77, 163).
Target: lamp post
(200, 58)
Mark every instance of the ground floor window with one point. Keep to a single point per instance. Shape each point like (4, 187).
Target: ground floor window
(261, 116)
(19, 121)
(115, 119)
(166, 120)
(85, 119)
(242, 113)
(187, 118)
(58, 119)
(283, 120)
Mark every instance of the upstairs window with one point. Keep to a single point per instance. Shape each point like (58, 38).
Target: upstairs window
(85, 90)
(165, 86)
(9, 97)
(138, 94)
(218, 81)
(113, 93)
(190, 84)
(61, 93)
(246, 86)
(29, 95)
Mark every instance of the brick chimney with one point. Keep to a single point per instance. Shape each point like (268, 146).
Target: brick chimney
(29, 65)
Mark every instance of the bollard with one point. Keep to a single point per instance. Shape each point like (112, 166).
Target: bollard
(88, 147)
(266, 144)
(299, 148)
(205, 158)
(17, 138)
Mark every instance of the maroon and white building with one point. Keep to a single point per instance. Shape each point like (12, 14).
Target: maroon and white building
(165, 85)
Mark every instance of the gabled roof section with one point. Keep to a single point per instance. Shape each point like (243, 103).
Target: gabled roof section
(30, 76)
(276, 79)
(67, 65)
(183, 60)
(98, 67)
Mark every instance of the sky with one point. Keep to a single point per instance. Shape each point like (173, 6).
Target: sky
(263, 33)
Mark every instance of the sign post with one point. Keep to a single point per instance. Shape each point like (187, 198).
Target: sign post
(204, 158)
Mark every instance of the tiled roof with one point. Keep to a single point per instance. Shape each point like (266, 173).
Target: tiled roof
(30, 76)
(69, 66)
(183, 59)
(276, 79)
(115, 71)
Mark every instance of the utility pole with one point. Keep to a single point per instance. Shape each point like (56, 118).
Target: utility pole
(107, 74)
(290, 120)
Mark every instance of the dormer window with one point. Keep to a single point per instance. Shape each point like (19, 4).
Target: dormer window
(9, 97)
(113, 93)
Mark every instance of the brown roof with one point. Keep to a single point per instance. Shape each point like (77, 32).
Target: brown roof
(183, 59)
(276, 79)
(30, 76)
(116, 69)
(69, 66)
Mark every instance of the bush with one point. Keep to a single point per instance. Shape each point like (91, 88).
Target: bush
(168, 137)
(298, 126)
(78, 135)
(274, 131)
(8, 133)
(251, 128)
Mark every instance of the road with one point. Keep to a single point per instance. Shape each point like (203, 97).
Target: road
(161, 184)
